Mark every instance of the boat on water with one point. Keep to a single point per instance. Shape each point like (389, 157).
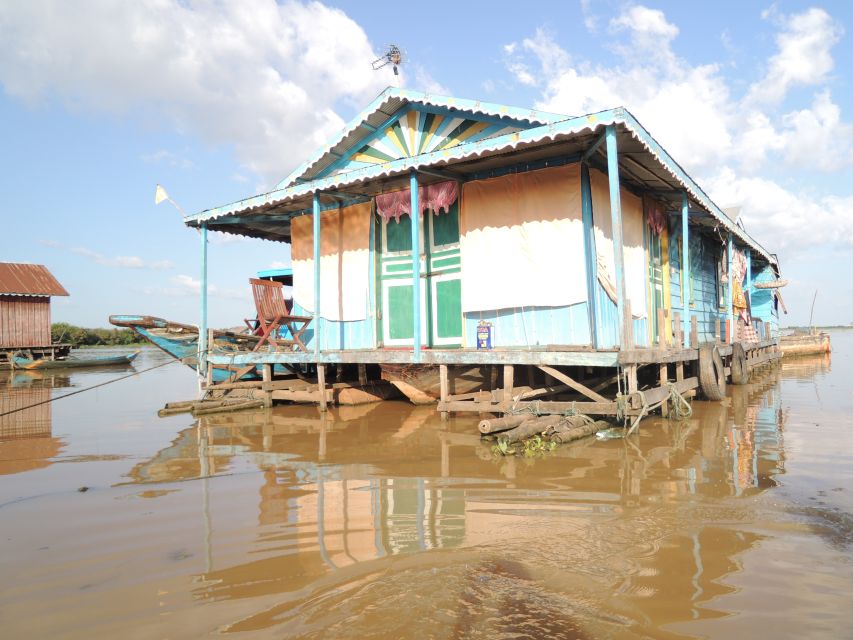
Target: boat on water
(804, 344)
(181, 341)
(65, 363)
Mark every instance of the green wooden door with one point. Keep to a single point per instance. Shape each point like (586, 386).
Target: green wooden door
(445, 280)
(441, 306)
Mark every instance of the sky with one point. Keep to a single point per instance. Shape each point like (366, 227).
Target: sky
(217, 101)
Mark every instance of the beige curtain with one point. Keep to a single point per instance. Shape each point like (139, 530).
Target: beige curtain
(521, 240)
(344, 262)
(632, 237)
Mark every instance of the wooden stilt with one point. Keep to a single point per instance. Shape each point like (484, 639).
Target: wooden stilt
(508, 382)
(678, 331)
(694, 333)
(664, 379)
(266, 374)
(362, 374)
(443, 388)
(631, 373)
(321, 385)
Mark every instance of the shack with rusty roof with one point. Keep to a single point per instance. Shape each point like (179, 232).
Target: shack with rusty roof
(25, 293)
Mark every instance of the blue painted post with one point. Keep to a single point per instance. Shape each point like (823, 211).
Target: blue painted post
(591, 258)
(316, 221)
(748, 283)
(202, 327)
(730, 310)
(616, 223)
(685, 270)
(416, 264)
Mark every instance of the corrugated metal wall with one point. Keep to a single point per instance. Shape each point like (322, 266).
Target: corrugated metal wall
(24, 321)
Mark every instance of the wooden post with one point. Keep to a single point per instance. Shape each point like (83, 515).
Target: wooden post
(717, 330)
(616, 226)
(321, 385)
(679, 338)
(767, 330)
(631, 373)
(694, 332)
(679, 371)
(628, 322)
(730, 310)
(661, 329)
(316, 230)
(202, 329)
(443, 387)
(664, 378)
(266, 374)
(362, 374)
(508, 382)
(416, 264)
(589, 251)
(685, 262)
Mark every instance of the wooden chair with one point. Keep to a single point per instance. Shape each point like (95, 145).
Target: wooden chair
(273, 313)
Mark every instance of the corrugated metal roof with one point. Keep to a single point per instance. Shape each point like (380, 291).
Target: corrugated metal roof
(389, 103)
(650, 154)
(28, 280)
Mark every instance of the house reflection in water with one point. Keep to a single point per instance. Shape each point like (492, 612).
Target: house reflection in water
(344, 494)
(26, 441)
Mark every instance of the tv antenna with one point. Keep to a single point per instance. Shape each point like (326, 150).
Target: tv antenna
(393, 56)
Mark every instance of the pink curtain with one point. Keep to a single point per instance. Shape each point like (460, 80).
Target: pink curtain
(436, 197)
(655, 215)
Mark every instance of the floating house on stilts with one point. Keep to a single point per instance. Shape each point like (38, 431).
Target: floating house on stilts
(497, 259)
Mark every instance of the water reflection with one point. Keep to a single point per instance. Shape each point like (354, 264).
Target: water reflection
(26, 440)
(385, 507)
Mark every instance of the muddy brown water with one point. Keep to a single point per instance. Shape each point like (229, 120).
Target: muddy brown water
(385, 522)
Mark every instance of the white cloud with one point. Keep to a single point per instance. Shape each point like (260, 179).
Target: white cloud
(183, 285)
(691, 111)
(122, 262)
(258, 75)
(817, 136)
(162, 156)
(804, 55)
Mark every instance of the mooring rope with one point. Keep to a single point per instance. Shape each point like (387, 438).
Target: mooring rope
(94, 386)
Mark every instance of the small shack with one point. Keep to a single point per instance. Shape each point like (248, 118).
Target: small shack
(519, 255)
(25, 292)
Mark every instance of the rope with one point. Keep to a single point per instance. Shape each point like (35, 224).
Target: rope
(94, 386)
(681, 409)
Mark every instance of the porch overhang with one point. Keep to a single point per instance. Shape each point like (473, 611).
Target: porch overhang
(643, 165)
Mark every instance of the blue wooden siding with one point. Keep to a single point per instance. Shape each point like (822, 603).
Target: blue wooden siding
(532, 326)
(607, 320)
(702, 292)
(761, 300)
(355, 334)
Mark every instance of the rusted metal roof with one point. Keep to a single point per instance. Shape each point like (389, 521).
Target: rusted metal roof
(28, 280)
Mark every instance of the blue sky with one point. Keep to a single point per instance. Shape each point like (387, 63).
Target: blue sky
(217, 101)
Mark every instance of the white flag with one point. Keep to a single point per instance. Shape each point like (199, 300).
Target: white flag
(160, 195)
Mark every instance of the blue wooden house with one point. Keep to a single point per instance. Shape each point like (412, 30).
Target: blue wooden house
(431, 226)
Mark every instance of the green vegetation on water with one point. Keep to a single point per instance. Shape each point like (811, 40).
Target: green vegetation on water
(62, 332)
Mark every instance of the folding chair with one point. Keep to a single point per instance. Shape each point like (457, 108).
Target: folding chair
(273, 313)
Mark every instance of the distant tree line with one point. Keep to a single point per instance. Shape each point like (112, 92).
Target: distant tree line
(82, 337)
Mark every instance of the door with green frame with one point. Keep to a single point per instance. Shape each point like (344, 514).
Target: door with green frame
(440, 286)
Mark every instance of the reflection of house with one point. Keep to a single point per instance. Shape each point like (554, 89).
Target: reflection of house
(26, 440)
(25, 291)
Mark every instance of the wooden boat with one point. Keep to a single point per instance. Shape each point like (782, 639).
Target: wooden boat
(802, 344)
(64, 363)
(181, 341)
(422, 385)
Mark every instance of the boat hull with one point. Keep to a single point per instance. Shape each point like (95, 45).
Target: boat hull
(103, 361)
(421, 384)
